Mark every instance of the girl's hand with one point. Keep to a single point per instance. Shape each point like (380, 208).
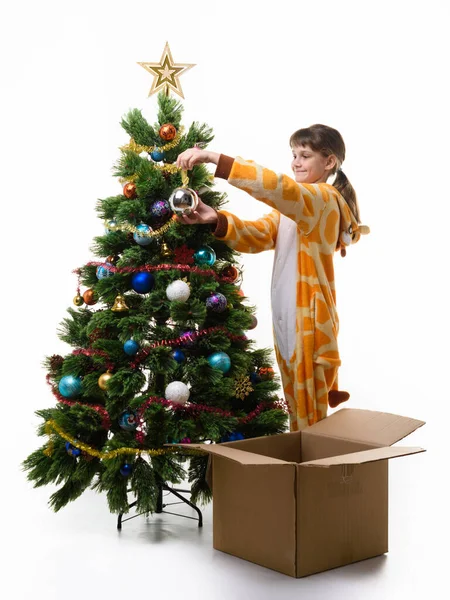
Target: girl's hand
(203, 214)
(195, 156)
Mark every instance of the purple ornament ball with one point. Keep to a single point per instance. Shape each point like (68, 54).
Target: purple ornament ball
(216, 302)
(160, 209)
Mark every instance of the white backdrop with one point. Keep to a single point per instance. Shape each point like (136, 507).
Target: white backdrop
(378, 72)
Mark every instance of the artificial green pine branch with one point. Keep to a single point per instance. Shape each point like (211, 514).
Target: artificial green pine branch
(138, 128)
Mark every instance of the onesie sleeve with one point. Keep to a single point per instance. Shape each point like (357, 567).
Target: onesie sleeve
(303, 203)
(247, 236)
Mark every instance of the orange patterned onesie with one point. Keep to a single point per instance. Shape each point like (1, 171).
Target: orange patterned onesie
(309, 222)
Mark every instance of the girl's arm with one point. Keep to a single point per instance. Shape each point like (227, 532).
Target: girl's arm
(243, 236)
(303, 203)
(248, 236)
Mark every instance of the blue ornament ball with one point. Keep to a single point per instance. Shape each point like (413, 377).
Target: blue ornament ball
(126, 469)
(255, 377)
(72, 450)
(110, 225)
(205, 255)
(234, 436)
(216, 302)
(70, 386)
(103, 272)
(160, 209)
(131, 347)
(179, 356)
(128, 421)
(144, 239)
(142, 282)
(220, 361)
(157, 155)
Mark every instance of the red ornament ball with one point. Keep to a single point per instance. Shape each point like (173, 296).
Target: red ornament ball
(167, 132)
(230, 272)
(129, 190)
(254, 322)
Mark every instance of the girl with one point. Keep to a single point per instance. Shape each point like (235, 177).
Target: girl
(309, 221)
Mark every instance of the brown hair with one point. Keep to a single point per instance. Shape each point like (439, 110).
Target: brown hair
(327, 141)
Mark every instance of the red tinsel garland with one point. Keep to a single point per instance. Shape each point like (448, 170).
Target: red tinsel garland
(140, 356)
(174, 342)
(90, 352)
(163, 267)
(196, 408)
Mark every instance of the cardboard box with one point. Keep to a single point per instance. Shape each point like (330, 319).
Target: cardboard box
(308, 501)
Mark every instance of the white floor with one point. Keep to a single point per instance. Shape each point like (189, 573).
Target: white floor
(78, 553)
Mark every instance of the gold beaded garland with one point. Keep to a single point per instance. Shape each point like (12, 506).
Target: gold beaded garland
(138, 148)
(151, 234)
(51, 427)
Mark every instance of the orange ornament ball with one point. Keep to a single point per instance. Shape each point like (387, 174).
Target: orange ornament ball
(89, 297)
(167, 132)
(240, 292)
(129, 190)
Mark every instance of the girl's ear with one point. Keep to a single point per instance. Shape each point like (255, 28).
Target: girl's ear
(331, 162)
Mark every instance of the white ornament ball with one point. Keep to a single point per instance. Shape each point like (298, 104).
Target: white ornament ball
(178, 392)
(178, 290)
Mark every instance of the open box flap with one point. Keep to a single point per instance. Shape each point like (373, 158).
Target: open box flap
(365, 456)
(369, 426)
(239, 456)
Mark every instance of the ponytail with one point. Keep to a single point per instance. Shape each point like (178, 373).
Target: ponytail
(345, 188)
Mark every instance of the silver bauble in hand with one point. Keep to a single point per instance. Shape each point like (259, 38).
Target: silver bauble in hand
(183, 201)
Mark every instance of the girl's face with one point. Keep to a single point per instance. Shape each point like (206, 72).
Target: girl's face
(310, 166)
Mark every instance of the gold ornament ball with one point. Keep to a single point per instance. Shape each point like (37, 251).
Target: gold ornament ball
(167, 132)
(129, 190)
(103, 380)
(78, 300)
(89, 297)
(112, 259)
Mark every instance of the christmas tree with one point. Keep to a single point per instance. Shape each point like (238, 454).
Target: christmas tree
(159, 350)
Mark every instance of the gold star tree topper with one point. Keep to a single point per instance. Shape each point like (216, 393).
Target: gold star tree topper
(166, 73)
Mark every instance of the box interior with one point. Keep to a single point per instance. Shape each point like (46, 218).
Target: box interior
(300, 446)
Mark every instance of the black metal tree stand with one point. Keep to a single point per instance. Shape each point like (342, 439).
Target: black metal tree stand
(163, 487)
(160, 505)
